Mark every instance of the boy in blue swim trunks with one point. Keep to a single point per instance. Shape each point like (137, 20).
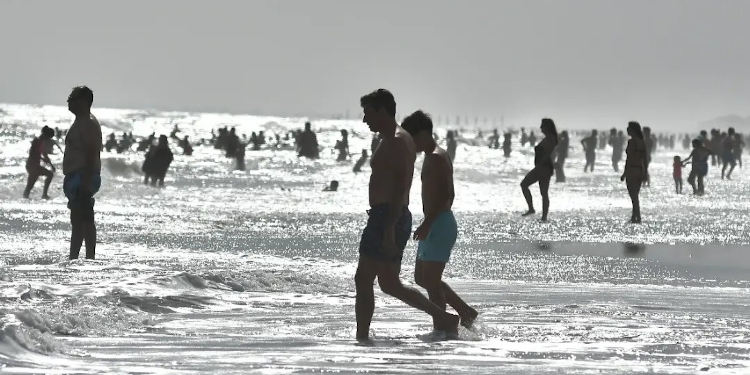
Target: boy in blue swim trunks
(81, 167)
(389, 223)
(437, 233)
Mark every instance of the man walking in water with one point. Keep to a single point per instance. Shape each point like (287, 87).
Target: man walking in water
(389, 223)
(439, 230)
(81, 166)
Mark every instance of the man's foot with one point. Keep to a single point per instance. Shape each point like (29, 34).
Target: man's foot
(529, 212)
(26, 195)
(45, 196)
(543, 219)
(449, 324)
(468, 319)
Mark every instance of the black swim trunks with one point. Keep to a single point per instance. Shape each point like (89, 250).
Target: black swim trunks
(372, 236)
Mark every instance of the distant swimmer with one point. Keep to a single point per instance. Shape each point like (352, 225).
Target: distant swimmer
(677, 174)
(635, 168)
(157, 162)
(438, 232)
(38, 153)
(728, 154)
(82, 167)
(494, 139)
(187, 148)
(451, 144)
(389, 224)
(332, 186)
(543, 168)
(342, 146)
(506, 145)
(649, 142)
(532, 138)
(361, 162)
(308, 143)
(617, 141)
(561, 154)
(699, 156)
(589, 150)
(111, 143)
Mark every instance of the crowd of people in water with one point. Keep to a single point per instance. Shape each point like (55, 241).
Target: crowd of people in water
(393, 151)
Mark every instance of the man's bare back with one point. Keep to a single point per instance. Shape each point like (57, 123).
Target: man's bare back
(437, 182)
(392, 161)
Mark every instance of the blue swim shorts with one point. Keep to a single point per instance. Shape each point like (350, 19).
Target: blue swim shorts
(372, 236)
(79, 200)
(439, 242)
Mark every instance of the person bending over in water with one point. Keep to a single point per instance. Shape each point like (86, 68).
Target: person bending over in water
(362, 159)
(38, 152)
(543, 168)
(389, 224)
(82, 167)
(635, 168)
(438, 232)
(699, 155)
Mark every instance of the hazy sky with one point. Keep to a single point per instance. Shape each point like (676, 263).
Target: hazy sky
(583, 63)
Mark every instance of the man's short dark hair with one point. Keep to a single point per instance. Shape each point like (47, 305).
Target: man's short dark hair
(84, 93)
(380, 98)
(417, 122)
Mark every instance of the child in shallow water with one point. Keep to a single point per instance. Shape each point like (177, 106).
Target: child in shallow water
(677, 174)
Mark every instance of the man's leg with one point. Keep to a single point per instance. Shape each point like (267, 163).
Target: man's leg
(364, 304)
(388, 278)
(47, 181)
(33, 176)
(76, 235)
(90, 237)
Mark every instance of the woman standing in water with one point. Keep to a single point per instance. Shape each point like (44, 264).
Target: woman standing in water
(543, 168)
(635, 167)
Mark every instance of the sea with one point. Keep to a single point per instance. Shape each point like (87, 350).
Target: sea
(226, 271)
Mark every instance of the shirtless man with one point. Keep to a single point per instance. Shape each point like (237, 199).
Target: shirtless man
(39, 151)
(389, 224)
(437, 233)
(81, 166)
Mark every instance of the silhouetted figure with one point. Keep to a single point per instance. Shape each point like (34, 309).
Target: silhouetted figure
(451, 144)
(389, 220)
(174, 132)
(543, 168)
(157, 162)
(494, 139)
(728, 154)
(362, 160)
(524, 137)
(699, 156)
(739, 147)
(589, 150)
(438, 232)
(146, 143)
(649, 142)
(82, 167)
(532, 139)
(308, 143)
(602, 141)
(635, 168)
(686, 142)
(714, 144)
(187, 148)
(617, 141)
(677, 174)
(58, 133)
(38, 152)
(333, 186)
(231, 143)
(111, 143)
(239, 155)
(342, 146)
(561, 153)
(506, 145)
(124, 143)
